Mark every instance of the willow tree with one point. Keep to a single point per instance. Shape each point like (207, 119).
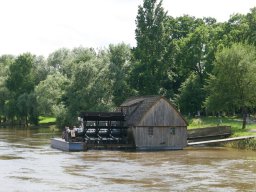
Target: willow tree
(20, 82)
(232, 86)
(5, 62)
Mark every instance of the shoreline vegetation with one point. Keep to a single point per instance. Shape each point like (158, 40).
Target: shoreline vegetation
(210, 121)
(236, 127)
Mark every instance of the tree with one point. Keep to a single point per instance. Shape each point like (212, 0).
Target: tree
(180, 27)
(81, 54)
(5, 62)
(251, 20)
(20, 79)
(152, 66)
(40, 69)
(77, 55)
(191, 95)
(194, 60)
(236, 29)
(56, 60)
(119, 70)
(20, 82)
(193, 43)
(90, 88)
(193, 52)
(196, 49)
(50, 92)
(232, 85)
(27, 108)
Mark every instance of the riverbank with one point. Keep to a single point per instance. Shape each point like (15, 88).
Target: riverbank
(236, 127)
(234, 122)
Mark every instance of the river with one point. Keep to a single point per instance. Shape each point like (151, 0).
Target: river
(28, 163)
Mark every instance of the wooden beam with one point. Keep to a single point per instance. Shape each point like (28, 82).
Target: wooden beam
(221, 140)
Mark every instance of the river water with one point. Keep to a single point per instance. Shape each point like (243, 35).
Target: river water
(28, 163)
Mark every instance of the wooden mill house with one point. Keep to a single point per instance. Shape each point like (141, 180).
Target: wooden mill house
(154, 123)
(144, 123)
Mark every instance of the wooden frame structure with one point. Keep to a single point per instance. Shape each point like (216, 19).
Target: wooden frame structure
(102, 128)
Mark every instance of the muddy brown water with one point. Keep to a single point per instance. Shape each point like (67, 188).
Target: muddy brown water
(28, 163)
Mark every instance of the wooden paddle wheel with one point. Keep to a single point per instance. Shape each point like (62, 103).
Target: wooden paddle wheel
(103, 129)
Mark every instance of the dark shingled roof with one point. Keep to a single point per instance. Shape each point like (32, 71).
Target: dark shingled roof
(144, 104)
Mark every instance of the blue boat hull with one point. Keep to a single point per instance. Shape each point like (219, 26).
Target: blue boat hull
(63, 145)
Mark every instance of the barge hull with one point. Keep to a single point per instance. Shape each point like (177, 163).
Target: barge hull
(63, 145)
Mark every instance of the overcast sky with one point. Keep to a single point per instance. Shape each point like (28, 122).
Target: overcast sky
(43, 26)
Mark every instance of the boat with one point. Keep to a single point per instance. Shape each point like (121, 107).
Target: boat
(61, 144)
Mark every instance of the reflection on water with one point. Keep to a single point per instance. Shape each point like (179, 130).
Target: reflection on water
(27, 163)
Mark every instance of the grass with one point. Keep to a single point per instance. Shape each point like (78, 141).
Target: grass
(46, 120)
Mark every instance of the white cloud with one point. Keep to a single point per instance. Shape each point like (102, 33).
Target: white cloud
(42, 26)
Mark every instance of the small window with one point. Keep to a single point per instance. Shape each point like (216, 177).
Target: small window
(172, 131)
(150, 131)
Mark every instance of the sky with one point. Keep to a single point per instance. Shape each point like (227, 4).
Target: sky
(43, 26)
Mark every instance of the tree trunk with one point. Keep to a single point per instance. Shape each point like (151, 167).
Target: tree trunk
(26, 121)
(244, 111)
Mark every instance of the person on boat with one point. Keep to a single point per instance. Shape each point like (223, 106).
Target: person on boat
(65, 134)
(78, 129)
(73, 132)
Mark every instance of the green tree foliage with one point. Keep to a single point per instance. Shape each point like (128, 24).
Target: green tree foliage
(81, 54)
(119, 69)
(180, 27)
(236, 30)
(20, 82)
(90, 88)
(232, 86)
(178, 30)
(27, 108)
(57, 60)
(20, 79)
(152, 66)
(191, 95)
(193, 52)
(5, 62)
(50, 92)
(40, 69)
(64, 60)
(251, 19)
(10, 110)
(194, 60)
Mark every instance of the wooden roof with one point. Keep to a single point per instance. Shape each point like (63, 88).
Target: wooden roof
(102, 116)
(143, 106)
(132, 101)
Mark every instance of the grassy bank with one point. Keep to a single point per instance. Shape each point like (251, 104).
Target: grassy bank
(47, 120)
(236, 127)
